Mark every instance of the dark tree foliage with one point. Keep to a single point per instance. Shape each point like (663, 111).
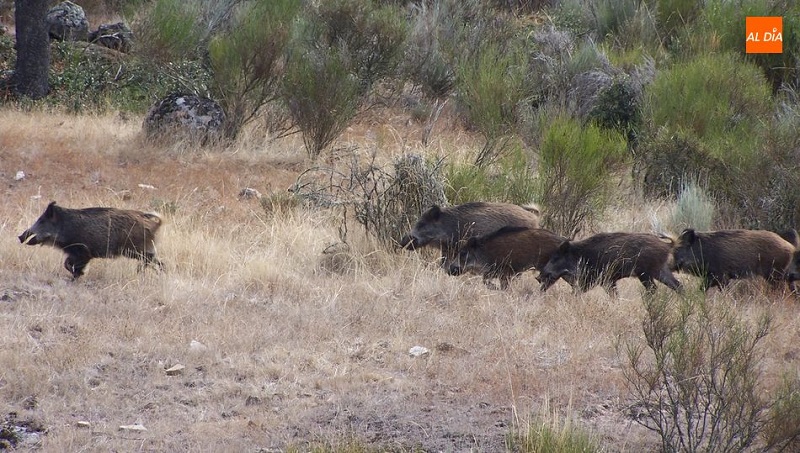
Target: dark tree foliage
(33, 49)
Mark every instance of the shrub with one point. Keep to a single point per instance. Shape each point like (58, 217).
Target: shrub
(782, 429)
(673, 159)
(372, 34)
(425, 62)
(617, 108)
(510, 179)
(248, 57)
(721, 27)
(550, 432)
(719, 99)
(384, 201)
(694, 209)
(576, 168)
(490, 86)
(93, 79)
(322, 94)
(695, 373)
(169, 31)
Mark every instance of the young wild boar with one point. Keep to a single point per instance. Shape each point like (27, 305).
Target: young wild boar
(607, 257)
(506, 253)
(447, 228)
(89, 233)
(719, 256)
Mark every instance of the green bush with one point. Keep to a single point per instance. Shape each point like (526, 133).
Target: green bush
(247, 59)
(510, 179)
(321, 92)
(90, 78)
(717, 98)
(490, 87)
(721, 28)
(695, 374)
(671, 159)
(371, 34)
(704, 123)
(170, 30)
(576, 174)
(617, 108)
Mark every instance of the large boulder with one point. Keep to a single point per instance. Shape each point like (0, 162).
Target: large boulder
(114, 36)
(180, 115)
(67, 22)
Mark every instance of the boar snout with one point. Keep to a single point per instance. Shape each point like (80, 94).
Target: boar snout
(455, 269)
(28, 238)
(407, 242)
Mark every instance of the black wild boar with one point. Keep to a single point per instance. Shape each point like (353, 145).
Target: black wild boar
(719, 256)
(448, 228)
(506, 253)
(607, 257)
(89, 233)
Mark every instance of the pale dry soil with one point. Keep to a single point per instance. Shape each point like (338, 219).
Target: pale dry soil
(284, 345)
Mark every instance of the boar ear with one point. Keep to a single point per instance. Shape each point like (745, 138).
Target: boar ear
(688, 236)
(433, 213)
(564, 247)
(50, 212)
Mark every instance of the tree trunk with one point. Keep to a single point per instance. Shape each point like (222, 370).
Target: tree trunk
(33, 49)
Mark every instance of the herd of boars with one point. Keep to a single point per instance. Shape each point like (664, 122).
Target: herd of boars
(495, 240)
(500, 241)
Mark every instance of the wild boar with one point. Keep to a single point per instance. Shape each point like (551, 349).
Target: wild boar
(89, 233)
(506, 253)
(793, 272)
(607, 257)
(447, 228)
(719, 256)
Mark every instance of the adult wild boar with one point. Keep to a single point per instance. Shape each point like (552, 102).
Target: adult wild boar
(607, 257)
(89, 233)
(719, 256)
(447, 228)
(506, 253)
(793, 273)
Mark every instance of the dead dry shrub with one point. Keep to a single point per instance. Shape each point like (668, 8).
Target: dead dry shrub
(385, 202)
(695, 376)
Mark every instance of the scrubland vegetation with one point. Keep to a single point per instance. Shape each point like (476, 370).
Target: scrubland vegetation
(294, 313)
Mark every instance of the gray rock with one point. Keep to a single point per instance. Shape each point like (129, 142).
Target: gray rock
(181, 115)
(67, 22)
(114, 36)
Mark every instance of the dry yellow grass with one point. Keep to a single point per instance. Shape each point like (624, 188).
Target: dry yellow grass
(294, 347)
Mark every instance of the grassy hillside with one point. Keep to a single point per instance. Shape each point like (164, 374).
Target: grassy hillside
(285, 346)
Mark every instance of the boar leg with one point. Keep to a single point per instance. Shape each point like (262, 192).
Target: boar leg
(75, 263)
(669, 279)
(148, 259)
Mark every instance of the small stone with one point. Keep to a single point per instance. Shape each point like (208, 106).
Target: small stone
(83, 424)
(196, 346)
(418, 351)
(147, 186)
(19, 176)
(175, 370)
(136, 427)
(249, 193)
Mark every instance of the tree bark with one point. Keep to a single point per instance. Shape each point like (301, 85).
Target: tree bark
(33, 49)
